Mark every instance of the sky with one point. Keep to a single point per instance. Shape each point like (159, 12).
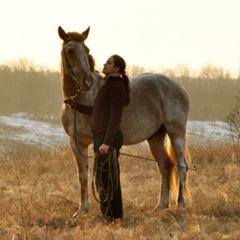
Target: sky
(149, 33)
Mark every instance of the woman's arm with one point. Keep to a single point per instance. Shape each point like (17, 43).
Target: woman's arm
(117, 101)
(85, 109)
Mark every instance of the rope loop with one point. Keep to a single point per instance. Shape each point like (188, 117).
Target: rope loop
(105, 179)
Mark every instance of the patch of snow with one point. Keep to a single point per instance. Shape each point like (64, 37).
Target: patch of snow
(209, 131)
(25, 129)
(21, 128)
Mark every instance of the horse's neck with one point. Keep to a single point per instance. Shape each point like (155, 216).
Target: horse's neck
(68, 86)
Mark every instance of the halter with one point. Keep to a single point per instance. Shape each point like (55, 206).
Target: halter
(73, 76)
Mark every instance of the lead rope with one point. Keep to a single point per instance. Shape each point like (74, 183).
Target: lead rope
(75, 123)
(194, 168)
(75, 131)
(105, 180)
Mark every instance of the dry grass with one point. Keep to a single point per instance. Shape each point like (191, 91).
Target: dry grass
(39, 192)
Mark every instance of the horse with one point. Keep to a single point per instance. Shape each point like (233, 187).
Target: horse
(159, 108)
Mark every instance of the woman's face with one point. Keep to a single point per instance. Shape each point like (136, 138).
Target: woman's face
(109, 68)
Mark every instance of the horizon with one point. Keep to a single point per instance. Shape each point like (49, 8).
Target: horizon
(194, 72)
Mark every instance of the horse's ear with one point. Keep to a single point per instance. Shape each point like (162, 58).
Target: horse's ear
(85, 33)
(62, 33)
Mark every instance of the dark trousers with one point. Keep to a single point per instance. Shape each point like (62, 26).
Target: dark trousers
(111, 207)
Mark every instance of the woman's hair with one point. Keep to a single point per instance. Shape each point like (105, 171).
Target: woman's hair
(121, 64)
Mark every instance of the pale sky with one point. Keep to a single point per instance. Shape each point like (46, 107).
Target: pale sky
(149, 33)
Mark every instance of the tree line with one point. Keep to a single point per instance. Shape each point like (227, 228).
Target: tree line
(25, 87)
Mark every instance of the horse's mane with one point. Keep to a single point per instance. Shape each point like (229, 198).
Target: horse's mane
(91, 62)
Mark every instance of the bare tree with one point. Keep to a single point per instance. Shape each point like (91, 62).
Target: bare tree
(233, 120)
(208, 71)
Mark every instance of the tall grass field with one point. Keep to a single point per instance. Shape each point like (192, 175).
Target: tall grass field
(39, 193)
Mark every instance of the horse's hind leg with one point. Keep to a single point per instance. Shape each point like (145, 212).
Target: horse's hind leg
(156, 144)
(178, 144)
(82, 164)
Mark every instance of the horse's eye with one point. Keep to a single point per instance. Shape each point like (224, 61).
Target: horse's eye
(70, 51)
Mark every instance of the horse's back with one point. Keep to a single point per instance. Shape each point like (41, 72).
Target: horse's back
(161, 89)
(156, 82)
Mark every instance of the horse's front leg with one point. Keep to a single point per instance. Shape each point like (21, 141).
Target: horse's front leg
(82, 163)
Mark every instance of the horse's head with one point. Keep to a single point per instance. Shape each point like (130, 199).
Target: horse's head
(76, 58)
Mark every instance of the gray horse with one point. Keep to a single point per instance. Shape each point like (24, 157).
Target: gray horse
(159, 108)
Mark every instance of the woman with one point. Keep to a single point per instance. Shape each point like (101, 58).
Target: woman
(105, 124)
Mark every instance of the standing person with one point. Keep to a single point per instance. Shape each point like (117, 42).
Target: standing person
(105, 123)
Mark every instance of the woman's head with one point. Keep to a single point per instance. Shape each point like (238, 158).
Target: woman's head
(114, 64)
(120, 63)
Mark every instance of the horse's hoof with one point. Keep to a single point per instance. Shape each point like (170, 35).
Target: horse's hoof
(181, 206)
(80, 213)
(72, 222)
(160, 207)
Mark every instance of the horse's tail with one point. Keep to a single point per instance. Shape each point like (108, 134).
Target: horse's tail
(173, 174)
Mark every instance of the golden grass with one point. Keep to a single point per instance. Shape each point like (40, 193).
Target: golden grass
(39, 192)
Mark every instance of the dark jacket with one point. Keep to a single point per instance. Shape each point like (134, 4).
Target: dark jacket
(106, 114)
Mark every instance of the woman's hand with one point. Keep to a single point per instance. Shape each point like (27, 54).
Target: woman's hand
(103, 149)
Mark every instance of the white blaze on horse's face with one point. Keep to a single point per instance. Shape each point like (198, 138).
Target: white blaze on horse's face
(76, 59)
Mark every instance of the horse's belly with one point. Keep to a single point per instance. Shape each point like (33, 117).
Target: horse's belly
(139, 128)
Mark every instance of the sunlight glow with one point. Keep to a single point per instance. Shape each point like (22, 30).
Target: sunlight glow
(149, 33)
